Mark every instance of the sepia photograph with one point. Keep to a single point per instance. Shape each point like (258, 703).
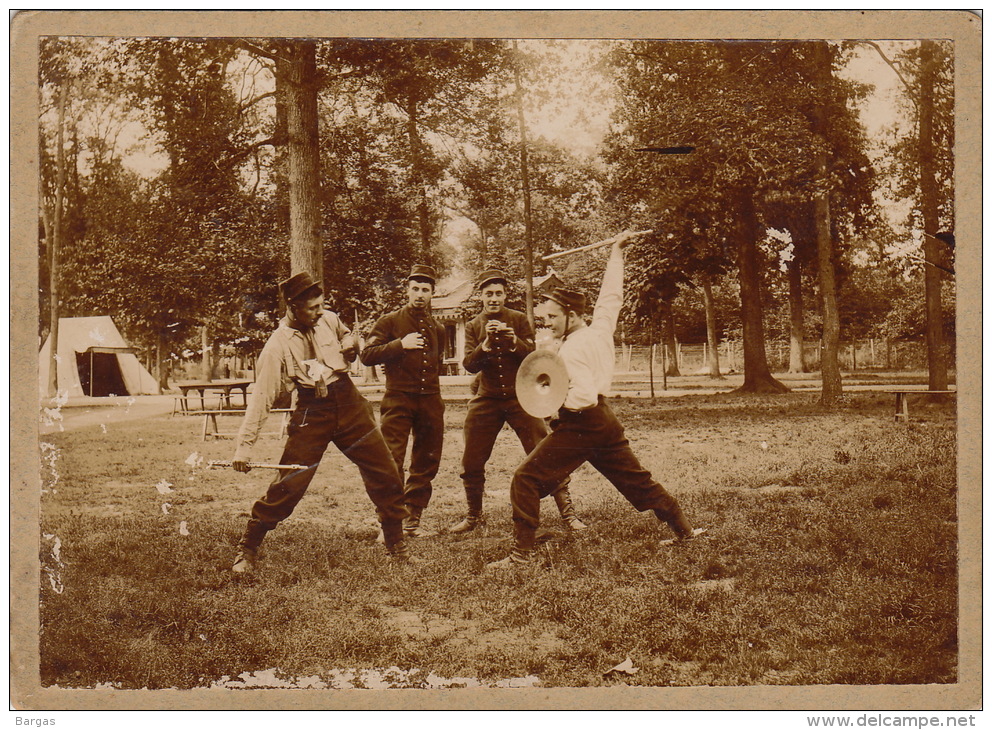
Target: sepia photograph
(549, 360)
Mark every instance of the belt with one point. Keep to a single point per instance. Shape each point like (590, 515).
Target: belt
(309, 392)
(570, 411)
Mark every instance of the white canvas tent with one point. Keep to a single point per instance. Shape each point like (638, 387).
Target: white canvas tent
(94, 359)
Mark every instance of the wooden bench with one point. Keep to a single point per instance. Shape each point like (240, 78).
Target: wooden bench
(902, 400)
(210, 428)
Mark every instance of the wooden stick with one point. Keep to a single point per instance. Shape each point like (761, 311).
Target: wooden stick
(590, 246)
(256, 465)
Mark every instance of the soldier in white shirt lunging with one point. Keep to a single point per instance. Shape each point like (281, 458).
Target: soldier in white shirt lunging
(586, 428)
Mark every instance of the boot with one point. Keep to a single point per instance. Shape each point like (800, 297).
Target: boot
(390, 533)
(247, 557)
(411, 525)
(564, 501)
(399, 551)
(518, 558)
(678, 523)
(522, 554)
(473, 517)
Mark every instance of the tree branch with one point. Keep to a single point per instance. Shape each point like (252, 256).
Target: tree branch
(258, 50)
(945, 269)
(895, 68)
(253, 148)
(324, 79)
(244, 107)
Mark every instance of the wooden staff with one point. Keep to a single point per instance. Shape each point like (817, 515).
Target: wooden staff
(591, 246)
(255, 465)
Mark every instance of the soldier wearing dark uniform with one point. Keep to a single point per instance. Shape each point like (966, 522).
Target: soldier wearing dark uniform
(496, 341)
(310, 352)
(410, 345)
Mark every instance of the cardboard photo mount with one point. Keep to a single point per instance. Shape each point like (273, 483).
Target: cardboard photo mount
(27, 27)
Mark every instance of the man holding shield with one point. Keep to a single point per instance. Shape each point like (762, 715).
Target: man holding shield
(586, 428)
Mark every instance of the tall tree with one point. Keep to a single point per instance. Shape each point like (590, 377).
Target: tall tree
(924, 172)
(744, 106)
(434, 84)
(929, 206)
(296, 85)
(829, 361)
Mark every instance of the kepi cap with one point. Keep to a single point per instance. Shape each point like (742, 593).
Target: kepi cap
(490, 275)
(299, 286)
(422, 271)
(567, 299)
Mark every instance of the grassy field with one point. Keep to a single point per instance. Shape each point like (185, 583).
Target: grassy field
(830, 559)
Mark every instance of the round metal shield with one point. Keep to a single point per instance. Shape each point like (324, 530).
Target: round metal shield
(542, 383)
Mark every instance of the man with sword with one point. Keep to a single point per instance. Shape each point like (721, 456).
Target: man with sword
(586, 428)
(310, 351)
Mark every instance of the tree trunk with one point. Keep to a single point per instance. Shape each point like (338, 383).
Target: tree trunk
(712, 341)
(417, 177)
(830, 340)
(216, 368)
(55, 244)
(298, 68)
(936, 362)
(161, 364)
(525, 182)
(757, 376)
(797, 334)
(670, 345)
(651, 366)
(829, 361)
(281, 152)
(205, 351)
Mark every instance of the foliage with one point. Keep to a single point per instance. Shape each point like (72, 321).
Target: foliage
(415, 132)
(905, 161)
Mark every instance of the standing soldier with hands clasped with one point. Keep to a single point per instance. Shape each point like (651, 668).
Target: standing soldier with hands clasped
(310, 351)
(410, 346)
(496, 341)
(586, 428)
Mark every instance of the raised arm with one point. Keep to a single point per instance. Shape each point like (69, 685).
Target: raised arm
(610, 299)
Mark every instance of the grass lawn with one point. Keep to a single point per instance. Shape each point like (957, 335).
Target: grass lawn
(830, 559)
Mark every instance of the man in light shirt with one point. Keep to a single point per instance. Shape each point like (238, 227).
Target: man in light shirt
(586, 428)
(310, 352)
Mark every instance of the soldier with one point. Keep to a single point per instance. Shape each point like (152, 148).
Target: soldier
(310, 350)
(586, 428)
(410, 346)
(496, 341)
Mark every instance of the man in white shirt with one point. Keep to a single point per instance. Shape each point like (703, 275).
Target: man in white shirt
(586, 428)
(310, 352)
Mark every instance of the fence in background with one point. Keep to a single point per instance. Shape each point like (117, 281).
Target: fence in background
(693, 359)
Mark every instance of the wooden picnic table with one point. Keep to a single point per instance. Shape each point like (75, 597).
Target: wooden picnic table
(224, 387)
